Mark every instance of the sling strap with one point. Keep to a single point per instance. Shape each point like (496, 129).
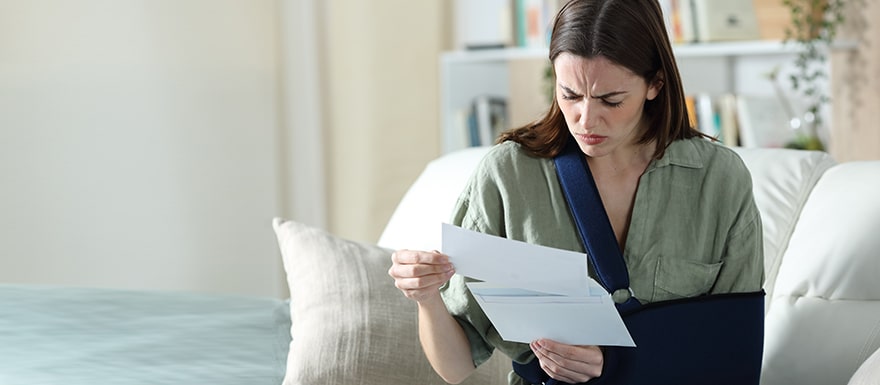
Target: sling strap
(592, 222)
(596, 233)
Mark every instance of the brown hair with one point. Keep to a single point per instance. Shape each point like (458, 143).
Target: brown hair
(629, 33)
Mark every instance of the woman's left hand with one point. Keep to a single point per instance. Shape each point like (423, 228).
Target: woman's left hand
(568, 363)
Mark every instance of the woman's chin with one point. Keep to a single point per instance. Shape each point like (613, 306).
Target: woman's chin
(593, 151)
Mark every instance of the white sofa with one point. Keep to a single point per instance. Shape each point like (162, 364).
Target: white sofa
(822, 257)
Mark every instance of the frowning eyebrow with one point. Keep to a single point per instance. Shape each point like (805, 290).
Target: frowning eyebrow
(608, 95)
(604, 96)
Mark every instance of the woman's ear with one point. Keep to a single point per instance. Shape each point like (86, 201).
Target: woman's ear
(655, 85)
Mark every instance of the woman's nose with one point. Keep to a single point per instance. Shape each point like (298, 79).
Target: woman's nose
(586, 113)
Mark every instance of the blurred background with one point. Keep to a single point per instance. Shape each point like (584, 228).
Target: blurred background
(147, 144)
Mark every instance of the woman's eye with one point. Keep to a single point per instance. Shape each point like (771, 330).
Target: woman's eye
(569, 96)
(611, 104)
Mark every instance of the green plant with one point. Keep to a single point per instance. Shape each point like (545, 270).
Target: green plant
(814, 25)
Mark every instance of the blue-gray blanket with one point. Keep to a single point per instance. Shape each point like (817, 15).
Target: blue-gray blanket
(73, 336)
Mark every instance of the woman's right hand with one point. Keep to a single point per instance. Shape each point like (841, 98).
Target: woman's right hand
(419, 274)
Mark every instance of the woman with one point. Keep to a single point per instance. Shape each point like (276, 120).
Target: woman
(681, 206)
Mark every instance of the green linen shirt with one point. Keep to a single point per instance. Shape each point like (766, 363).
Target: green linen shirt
(695, 228)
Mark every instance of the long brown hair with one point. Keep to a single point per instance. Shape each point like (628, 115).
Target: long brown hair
(629, 33)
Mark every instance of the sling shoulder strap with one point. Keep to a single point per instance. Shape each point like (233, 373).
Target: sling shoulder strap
(596, 233)
(592, 221)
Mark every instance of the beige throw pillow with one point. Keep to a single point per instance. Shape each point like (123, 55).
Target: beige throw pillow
(350, 324)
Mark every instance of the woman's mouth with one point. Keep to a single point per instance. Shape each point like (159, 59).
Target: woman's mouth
(592, 139)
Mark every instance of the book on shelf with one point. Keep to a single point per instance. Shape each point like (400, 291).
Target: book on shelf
(459, 136)
(696, 21)
(534, 21)
(685, 19)
(763, 121)
(691, 104)
(727, 119)
(486, 119)
(707, 118)
(667, 8)
(715, 116)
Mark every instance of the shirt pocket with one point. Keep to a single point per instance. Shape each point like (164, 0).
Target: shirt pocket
(681, 278)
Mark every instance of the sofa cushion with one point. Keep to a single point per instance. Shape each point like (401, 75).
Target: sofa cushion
(349, 323)
(824, 319)
(415, 223)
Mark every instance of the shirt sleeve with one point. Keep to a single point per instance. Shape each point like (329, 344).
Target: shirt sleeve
(470, 213)
(480, 208)
(743, 253)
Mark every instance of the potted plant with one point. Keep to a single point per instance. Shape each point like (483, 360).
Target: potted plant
(814, 25)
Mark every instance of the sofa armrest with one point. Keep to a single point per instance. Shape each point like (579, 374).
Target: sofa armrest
(782, 179)
(825, 313)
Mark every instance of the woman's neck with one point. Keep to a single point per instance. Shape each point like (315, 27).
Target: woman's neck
(624, 161)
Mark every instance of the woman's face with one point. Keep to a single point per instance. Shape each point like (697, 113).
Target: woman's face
(602, 103)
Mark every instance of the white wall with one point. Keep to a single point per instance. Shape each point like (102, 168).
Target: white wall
(381, 104)
(302, 134)
(138, 144)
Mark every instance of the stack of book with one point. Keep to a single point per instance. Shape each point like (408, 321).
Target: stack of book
(700, 21)
(486, 118)
(741, 120)
(482, 24)
(534, 22)
(527, 23)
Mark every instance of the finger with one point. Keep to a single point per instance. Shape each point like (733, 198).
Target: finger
(418, 270)
(431, 281)
(566, 374)
(584, 353)
(579, 363)
(423, 291)
(416, 257)
(421, 269)
(551, 362)
(554, 369)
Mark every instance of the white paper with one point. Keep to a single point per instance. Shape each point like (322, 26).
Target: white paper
(532, 292)
(520, 317)
(515, 264)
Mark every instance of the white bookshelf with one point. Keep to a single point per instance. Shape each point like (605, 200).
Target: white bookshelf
(715, 68)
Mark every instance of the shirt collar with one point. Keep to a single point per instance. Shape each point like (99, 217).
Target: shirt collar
(683, 153)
